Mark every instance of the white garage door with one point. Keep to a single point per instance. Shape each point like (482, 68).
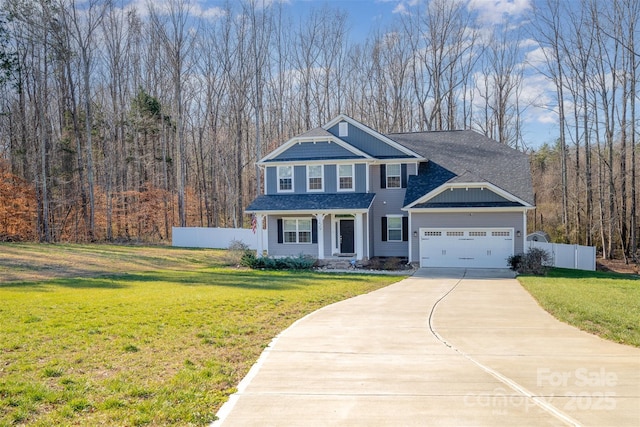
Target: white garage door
(465, 247)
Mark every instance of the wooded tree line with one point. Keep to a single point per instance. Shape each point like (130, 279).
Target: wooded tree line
(124, 121)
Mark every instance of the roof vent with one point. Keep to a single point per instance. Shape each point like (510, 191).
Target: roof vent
(343, 129)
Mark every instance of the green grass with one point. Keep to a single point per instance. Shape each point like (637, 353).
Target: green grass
(140, 336)
(605, 304)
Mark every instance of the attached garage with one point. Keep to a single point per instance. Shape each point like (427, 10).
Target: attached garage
(466, 247)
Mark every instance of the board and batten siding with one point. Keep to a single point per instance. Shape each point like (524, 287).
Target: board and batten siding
(316, 150)
(464, 195)
(465, 220)
(366, 142)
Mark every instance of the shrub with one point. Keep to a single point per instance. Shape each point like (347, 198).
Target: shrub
(515, 261)
(235, 252)
(301, 262)
(536, 261)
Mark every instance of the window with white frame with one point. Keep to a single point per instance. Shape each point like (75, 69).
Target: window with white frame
(394, 228)
(314, 178)
(345, 177)
(296, 230)
(394, 176)
(285, 178)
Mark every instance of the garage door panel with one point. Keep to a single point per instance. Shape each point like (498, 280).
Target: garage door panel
(470, 247)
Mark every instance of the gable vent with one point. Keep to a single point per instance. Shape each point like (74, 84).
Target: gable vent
(343, 129)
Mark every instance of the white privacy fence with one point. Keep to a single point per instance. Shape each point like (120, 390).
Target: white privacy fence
(576, 257)
(209, 237)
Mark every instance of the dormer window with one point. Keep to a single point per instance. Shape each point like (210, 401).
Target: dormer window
(394, 176)
(285, 178)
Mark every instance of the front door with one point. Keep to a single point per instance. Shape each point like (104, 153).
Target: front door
(346, 236)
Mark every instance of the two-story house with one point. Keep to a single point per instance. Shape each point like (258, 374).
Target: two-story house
(450, 198)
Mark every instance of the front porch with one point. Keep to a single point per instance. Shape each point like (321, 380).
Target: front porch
(325, 236)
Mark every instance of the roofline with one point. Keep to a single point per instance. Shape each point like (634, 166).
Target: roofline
(469, 209)
(375, 134)
(308, 211)
(300, 139)
(482, 184)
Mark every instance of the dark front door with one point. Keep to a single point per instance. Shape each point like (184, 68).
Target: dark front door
(346, 236)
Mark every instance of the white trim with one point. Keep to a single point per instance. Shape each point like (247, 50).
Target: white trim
(409, 224)
(457, 185)
(315, 190)
(293, 183)
(468, 210)
(373, 133)
(299, 140)
(353, 178)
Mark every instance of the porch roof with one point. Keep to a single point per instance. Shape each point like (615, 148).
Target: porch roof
(320, 202)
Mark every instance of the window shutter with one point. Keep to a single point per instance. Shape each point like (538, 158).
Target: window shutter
(384, 228)
(280, 233)
(383, 176)
(405, 228)
(403, 175)
(314, 230)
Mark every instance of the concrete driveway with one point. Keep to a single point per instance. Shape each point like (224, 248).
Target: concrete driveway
(444, 347)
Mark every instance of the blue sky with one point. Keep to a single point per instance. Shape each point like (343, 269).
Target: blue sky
(367, 16)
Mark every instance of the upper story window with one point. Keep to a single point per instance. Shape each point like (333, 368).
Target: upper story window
(285, 178)
(314, 178)
(394, 176)
(345, 177)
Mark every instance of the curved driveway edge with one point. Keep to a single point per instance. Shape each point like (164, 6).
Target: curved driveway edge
(445, 347)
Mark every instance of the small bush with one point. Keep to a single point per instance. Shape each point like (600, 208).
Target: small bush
(536, 261)
(301, 262)
(515, 261)
(235, 252)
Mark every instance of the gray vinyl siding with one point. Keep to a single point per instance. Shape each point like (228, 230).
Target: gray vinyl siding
(316, 151)
(367, 143)
(280, 249)
(465, 219)
(300, 179)
(471, 195)
(330, 179)
(272, 180)
(360, 176)
(290, 249)
(388, 201)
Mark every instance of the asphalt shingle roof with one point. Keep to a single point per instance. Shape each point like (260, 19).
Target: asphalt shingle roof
(311, 202)
(469, 157)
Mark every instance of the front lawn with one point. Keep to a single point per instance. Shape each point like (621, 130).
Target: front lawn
(605, 304)
(112, 335)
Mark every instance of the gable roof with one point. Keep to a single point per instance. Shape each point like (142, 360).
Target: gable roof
(311, 136)
(468, 157)
(375, 144)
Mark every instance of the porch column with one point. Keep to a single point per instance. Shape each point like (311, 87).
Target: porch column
(359, 236)
(259, 233)
(320, 219)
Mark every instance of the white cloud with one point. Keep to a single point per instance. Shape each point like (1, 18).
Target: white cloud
(497, 11)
